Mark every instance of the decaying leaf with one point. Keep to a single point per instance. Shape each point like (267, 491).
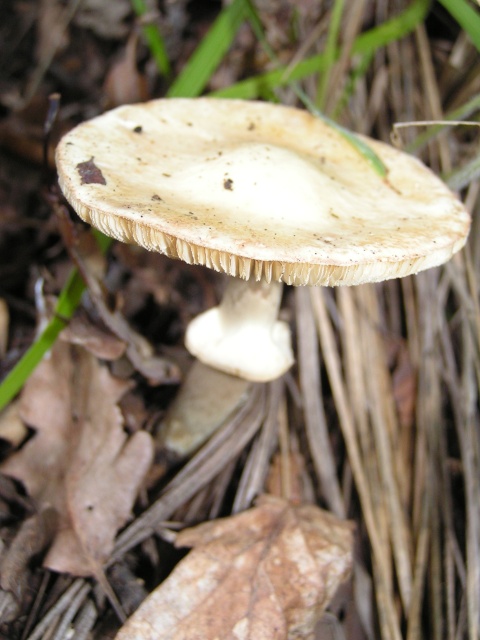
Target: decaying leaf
(15, 578)
(81, 462)
(267, 573)
(98, 341)
(124, 84)
(140, 352)
(106, 19)
(12, 428)
(294, 471)
(4, 323)
(50, 29)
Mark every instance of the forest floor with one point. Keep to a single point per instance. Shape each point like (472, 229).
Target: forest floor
(368, 450)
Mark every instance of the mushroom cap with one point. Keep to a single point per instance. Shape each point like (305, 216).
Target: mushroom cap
(257, 190)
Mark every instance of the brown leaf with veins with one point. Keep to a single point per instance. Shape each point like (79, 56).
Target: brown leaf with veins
(266, 573)
(80, 461)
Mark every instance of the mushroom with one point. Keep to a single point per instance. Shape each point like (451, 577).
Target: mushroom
(264, 193)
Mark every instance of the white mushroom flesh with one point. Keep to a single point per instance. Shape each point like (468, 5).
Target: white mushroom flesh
(242, 336)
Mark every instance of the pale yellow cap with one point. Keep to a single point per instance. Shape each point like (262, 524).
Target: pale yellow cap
(256, 190)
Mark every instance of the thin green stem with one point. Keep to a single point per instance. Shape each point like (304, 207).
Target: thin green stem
(330, 53)
(466, 16)
(364, 44)
(68, 301)
(356, 142)
(154, 39)
(210, 52)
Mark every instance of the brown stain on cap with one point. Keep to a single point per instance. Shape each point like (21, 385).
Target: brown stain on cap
(90, 173)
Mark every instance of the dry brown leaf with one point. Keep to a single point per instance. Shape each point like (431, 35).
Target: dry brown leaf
(80, 461)
(4, 324)
(156, 370)
(12, 428)
(105, 19)
(267, 573)
(286, 477)
(50, 29)
(124, 83)
(22, 134)
(45, 405)
(97, 341)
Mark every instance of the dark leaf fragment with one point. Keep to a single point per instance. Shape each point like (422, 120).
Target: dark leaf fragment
(90, 173)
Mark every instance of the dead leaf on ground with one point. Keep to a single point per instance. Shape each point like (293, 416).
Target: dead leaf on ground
(286, 477)
(12, 428)
(156, 369)
(22, 133)
(105, 19)
(97, 341)
(4, 324)
(51, 33)
(124, 83)
(80, 461)
(34, 535)
(266, 573)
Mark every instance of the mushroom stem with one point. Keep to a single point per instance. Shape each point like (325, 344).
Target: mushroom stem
(242, 336)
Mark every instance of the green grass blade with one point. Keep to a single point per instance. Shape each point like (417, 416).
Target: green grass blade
(257, 28)
(463, 176)
(366, 43)
(68, 301)
(15, 380)
(17, 377)
(466, 16)
(208, 55)
(355, 75)
(357, 143)
(154, 39)
(368, 154)
(393, 29)
(330, 53)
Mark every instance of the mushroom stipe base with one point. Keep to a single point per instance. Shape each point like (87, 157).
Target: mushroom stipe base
(242, 336)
